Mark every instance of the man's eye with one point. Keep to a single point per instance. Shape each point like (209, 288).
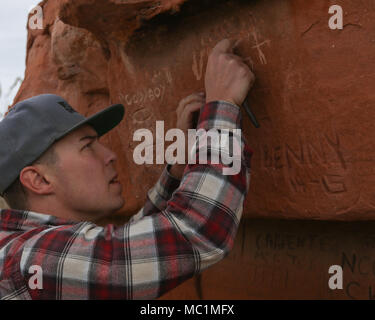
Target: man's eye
(89, 145)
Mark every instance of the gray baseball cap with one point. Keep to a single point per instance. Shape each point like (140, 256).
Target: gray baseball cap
(33, 125)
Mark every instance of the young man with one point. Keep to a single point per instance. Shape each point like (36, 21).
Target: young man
(62, 179)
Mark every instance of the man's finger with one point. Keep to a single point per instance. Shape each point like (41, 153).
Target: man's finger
(237, 43)
(236, 57)
(183, 106)
(187, 107)
(225, 46)
(190, 99)
(193, 107)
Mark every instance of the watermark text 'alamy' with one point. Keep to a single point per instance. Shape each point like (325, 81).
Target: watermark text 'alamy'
(216, 146)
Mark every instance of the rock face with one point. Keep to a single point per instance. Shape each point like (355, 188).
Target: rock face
(279, 259)
(314, 153)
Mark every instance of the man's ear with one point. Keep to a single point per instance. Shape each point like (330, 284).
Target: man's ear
(34, 179)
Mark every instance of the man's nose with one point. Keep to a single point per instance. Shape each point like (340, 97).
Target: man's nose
(108, 155)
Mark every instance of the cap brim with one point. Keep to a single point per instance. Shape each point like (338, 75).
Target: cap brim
(107, 119)
(103, 121)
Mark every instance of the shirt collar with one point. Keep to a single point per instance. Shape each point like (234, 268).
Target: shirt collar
(26, 220)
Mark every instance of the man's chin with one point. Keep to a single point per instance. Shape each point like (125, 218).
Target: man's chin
(108, 216)
(119, 204)
(116, 204)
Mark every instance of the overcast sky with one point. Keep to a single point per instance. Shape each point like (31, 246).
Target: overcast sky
(13, 34)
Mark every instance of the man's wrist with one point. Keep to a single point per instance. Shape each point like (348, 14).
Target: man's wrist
(222, 100)
(177, 171)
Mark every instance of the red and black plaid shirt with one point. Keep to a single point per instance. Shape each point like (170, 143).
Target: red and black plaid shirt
(184, 227)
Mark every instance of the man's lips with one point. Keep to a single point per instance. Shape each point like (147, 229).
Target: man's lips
(114, 179)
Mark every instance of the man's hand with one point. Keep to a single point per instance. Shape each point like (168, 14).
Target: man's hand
(186, 111)
(228, 78)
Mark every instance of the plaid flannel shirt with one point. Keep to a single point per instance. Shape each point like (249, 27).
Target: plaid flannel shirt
(184, 227)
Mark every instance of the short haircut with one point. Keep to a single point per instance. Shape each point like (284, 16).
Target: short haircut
(16, 195)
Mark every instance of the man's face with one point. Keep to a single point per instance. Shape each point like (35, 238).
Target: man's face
(85, 177)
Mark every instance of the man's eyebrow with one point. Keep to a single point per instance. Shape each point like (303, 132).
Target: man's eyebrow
(89, 137)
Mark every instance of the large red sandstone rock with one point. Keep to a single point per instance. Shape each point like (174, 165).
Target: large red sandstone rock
(314, 153)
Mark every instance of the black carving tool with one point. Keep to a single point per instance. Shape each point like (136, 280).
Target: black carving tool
(251, 114)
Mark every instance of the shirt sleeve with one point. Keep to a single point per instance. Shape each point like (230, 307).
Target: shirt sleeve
(191, 229)
(158, 196)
